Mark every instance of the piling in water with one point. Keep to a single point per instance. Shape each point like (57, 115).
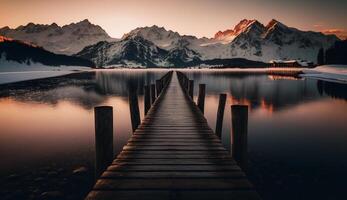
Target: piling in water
(220, 114)
(153, 93)
(158, 85)
(134, 109)
(239, 116)
(147, 103)
(201, 97)
(103, 138)
(191, 89)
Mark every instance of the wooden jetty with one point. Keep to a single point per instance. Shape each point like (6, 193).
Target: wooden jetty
(173, 154)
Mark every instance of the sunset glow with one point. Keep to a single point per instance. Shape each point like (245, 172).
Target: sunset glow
(196, 17)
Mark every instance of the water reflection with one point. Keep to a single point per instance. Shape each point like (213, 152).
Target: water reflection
(295, 125)
(86, 90)
(335, 90)
(119, 83)
(262, 91)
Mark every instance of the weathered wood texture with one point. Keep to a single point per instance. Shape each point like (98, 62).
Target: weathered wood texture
(134, 109)
(147, 102)
(220, 114)
(103, 138)
(201, 97)
(191, 89)
(173, 154)
(153, 96)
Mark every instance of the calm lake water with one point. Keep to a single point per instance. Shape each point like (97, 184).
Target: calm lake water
(297, 130)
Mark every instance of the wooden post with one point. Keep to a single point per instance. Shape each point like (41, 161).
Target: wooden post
(134, 109)
(153, 93)
(186, 83)
(103, 138)
(191, 89)
(220, 114)
(239, 115)
(158, 87)
(201, 97)
(147, 100)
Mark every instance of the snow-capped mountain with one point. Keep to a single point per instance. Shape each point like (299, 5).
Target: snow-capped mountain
(158, 35)
(24, 53)
(252, 40)
(156, 46)
(133, 51)
(68, 39)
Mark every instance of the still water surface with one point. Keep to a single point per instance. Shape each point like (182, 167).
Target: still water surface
(297, 127)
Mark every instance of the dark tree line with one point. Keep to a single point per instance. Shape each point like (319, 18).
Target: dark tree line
(337, 54)
(24, 53)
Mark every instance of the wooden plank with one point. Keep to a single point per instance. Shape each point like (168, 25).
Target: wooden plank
(127, 155)
(173, 194)
(168, 143)
(174, 161)
(151, 152)
(174, 148)
(220, 174)
(128, 167)
(172, 184)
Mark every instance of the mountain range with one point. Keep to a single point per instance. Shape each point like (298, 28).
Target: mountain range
(68, 39)
(249, 41)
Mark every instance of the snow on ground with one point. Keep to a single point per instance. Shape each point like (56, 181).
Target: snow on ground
(334, 73)
(11, 72)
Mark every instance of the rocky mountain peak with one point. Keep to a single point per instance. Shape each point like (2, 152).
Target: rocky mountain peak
(85, 22)
(243, 26)
(274, 24)
(271, 23)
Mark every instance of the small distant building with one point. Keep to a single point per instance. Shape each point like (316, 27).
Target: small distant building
(290, 63)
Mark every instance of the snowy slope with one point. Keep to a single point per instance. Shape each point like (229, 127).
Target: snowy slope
(68, 39)
(16, 62)
(334, 73)
(12, 71)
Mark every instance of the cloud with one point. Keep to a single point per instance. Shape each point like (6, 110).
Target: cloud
(341, 33)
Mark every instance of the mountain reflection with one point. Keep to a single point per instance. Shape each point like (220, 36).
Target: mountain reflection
(335, 90)
(262, 91)
(85, 89)
(93, 88)
(119, 82)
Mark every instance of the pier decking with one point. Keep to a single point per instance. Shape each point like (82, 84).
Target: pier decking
(173, 154)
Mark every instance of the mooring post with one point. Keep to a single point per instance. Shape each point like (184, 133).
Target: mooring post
(158, 87)
(134, 109)
(152, 93)
(239, 114)
(186, 83)
(201, 97)
(103, 138)
(147, 100)
(220, 114)
(191, 88)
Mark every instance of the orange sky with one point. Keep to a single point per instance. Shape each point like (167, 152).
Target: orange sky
(193, 17)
